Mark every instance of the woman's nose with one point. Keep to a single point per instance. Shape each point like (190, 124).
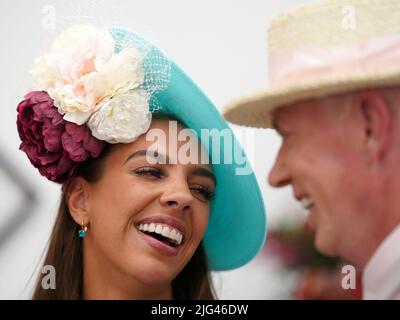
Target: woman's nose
(177, 196)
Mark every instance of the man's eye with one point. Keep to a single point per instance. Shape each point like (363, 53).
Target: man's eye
(204, 194)
(148, 171)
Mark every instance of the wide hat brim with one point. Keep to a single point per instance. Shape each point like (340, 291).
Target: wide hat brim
(257, 109)
(237, 226)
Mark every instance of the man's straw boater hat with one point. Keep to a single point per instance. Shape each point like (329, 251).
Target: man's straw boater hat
(322, 49)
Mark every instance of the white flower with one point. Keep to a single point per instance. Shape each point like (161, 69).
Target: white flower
(123, 118)
(76, 52)
(82, 70)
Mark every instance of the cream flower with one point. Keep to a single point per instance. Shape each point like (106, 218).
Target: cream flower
(81, 70)
(123, 118)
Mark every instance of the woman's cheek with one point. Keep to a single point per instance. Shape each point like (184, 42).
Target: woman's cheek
(200, 226)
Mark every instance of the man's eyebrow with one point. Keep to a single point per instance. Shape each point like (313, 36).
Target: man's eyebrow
(275, 124)
(148, 153)
(199, 171)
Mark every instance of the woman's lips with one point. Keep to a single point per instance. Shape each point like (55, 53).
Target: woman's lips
(157, 244)
(165, 220)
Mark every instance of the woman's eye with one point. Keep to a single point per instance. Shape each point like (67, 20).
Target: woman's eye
(148, 171)
(204, 194)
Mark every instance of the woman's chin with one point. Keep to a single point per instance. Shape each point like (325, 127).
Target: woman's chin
(152, 271)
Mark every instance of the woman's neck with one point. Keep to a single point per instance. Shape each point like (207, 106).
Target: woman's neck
(102, 281)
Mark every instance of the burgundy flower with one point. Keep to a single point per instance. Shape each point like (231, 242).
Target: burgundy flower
(53, 145)
(79, 142)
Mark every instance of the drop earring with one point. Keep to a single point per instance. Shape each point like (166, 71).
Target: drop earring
(83, 231)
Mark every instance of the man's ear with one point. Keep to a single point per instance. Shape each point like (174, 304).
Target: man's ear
(376, 123)
(77, 200)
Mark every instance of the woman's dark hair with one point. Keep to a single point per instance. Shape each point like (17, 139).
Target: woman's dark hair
(65, 252)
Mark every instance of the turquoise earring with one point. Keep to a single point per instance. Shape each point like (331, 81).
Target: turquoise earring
(83, 231)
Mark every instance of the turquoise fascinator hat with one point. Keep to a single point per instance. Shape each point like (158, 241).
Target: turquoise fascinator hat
(99, 86)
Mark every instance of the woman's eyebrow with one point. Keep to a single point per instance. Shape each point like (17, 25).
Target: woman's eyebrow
(148, 153)
(199, 171)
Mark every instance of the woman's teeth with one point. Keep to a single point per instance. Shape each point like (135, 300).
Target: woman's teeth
(307, 203)
(167, 232)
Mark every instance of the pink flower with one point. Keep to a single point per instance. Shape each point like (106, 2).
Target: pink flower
(53, 145)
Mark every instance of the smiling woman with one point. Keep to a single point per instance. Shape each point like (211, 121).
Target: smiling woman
(129, 227)
(144, 223)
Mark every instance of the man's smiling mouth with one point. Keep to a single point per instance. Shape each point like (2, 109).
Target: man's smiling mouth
(307, 203)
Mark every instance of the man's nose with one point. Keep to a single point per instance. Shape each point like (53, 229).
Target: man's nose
(279, 175)
(177, 196)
